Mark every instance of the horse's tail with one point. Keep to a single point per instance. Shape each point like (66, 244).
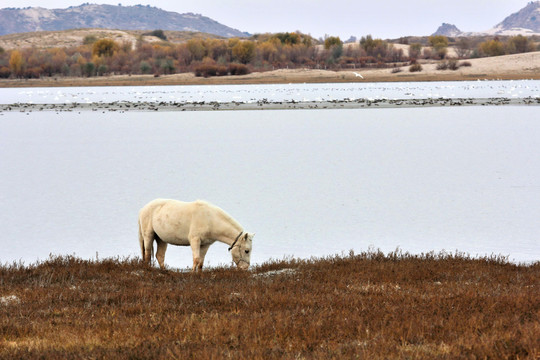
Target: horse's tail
(141, 240)
(141, 243)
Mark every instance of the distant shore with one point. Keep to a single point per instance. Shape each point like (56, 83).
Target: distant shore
(125, 106)
(508, 67)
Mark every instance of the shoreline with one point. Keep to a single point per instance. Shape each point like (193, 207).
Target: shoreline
(284, 76)
(124, 106)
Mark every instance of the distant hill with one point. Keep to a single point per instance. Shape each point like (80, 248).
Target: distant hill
(448, 30)
(138, 17)
(75, 37)
(524, 22)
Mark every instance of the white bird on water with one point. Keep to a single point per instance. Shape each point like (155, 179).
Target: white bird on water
(358, 75)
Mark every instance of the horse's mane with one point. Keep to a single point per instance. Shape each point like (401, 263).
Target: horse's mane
(228, 218)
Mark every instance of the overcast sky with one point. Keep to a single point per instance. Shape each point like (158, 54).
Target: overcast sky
(343, 18)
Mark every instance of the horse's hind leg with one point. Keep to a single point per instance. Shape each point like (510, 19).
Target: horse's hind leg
(160, 252)
(146, 238)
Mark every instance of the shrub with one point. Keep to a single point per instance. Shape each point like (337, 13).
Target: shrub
(145, 67)
(453, 64)
(4, 72)
(415, 68)
(207, 70)
(167, 66)
(465, 63)
(443, 65)
(89, 39)
(157, 33)
(32, 73)
(332, 41)
(238, 69)
(102, 70)
(288, 38)
(89, 69)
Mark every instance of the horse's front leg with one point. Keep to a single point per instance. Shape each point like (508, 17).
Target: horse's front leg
(160, 252)
(195, 243)
(202, 254)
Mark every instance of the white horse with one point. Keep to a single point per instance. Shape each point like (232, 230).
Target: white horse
(197, 224)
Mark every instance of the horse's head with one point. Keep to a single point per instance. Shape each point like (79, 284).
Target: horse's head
(241, 250)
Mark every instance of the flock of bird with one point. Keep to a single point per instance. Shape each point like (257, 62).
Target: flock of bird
(270, 96)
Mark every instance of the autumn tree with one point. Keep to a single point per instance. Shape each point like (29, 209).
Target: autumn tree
(439, 44)
(58, 59)
(492, 47)
(216, 49)
(244, 51)
(463, 47)
(287, 38)
(519, 44)
(415, 49)
(197, 49)
(268, 50)
(331, 41)
(16, 62)
(104, 48)
(368, 44)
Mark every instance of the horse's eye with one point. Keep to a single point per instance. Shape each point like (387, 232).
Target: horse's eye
(247, 251)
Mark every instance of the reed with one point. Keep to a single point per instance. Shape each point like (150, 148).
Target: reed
(369, 305)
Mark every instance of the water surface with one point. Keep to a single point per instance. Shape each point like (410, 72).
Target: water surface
(308, 182)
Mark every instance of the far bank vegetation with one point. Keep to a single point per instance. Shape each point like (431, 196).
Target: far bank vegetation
(219, 57)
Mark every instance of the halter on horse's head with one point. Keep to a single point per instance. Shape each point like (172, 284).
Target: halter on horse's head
(241, 250)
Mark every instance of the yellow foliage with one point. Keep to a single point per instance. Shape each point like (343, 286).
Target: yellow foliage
(104, 47)
(16, 61)
(244, 51)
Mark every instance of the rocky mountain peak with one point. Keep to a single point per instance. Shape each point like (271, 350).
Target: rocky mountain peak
(448, 30)
(526, 22)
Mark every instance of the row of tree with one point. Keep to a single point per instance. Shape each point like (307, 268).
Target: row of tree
(207, 57)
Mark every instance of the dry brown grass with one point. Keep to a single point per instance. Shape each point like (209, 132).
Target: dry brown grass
(371, 306)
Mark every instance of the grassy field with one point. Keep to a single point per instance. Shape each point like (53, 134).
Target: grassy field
(370, 306)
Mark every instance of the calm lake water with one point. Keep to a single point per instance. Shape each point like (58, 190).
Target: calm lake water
(308, 182)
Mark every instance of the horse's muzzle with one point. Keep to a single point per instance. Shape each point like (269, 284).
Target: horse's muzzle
(243, 265)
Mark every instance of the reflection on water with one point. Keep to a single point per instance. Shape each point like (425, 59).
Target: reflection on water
(309, 183)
